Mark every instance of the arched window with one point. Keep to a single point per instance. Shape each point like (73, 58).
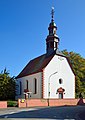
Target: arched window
(35, 86)
(60, 81)
(27, 84)
(20, 87)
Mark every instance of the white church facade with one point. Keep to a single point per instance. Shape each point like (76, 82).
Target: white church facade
(49, 75)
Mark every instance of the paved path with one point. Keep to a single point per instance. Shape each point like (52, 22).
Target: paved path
(61, 113)
(82, 115)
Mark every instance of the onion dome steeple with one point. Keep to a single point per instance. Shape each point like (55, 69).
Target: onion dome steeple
(52, 39)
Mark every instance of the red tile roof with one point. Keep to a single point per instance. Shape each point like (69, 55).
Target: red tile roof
(35, 65)
(38, 64)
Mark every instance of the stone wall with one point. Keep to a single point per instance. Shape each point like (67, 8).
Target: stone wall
(32, 102)
(3, 104)
(49, 102)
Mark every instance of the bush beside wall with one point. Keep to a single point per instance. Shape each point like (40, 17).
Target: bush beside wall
(12, 103)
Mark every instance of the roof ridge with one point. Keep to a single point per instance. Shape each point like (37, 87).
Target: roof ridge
(37, 57)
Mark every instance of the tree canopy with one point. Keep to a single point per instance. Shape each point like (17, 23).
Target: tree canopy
(7, 86)
(78, 65)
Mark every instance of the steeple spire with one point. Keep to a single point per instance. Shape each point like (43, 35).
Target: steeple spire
(52, 39)
(52, 13)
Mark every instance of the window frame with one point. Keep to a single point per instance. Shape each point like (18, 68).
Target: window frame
(27, 84)
(35, 86)
(20, 87)
(60, 81)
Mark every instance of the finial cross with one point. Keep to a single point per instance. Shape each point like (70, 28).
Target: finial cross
(52, 13)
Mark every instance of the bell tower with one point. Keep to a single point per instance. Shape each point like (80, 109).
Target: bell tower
(52, 39)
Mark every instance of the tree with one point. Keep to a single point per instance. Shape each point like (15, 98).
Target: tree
(78, 65)
(7, 86)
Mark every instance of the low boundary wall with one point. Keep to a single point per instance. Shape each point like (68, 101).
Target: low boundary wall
(3, 104)
(49, 102)
(32, 102)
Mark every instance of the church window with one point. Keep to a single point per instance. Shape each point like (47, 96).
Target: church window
(60, 81)
(20, 87)
(27, 84)
(35, 86)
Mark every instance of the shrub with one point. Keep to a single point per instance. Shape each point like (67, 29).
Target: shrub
(12, 103)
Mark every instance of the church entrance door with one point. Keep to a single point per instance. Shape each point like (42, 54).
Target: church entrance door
(60, 92)
(60, 95)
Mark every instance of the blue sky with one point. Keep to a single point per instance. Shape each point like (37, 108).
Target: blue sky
(24, 28)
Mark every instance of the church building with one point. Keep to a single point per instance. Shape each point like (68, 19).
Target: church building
(49, 75)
